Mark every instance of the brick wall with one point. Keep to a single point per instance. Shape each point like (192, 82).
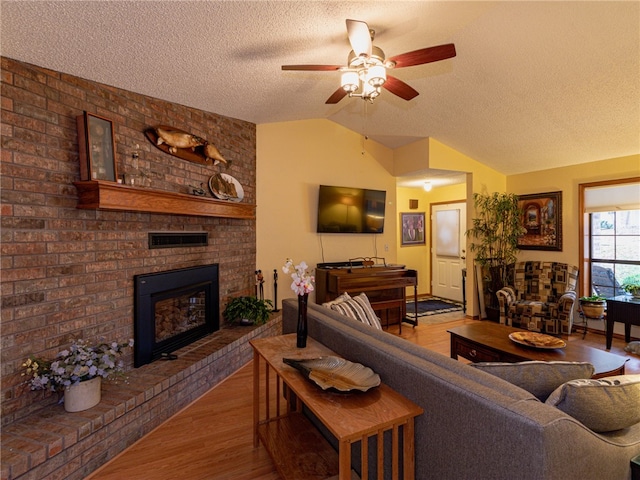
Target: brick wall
(68, 273)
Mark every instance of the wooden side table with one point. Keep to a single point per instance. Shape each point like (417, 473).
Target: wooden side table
(295, 445)
(624, 309)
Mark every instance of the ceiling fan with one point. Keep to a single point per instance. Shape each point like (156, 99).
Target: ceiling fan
(366, 68)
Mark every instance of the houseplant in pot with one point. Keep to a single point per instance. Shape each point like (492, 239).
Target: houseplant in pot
(593, 306)
(632, 285)
(496, 227)
(77, 372)
(248, 310)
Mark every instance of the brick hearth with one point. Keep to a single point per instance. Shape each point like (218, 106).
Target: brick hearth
(53, 444)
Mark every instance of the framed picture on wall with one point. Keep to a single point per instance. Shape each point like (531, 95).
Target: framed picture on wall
(96, 148)
(413, 231)
(542, 220)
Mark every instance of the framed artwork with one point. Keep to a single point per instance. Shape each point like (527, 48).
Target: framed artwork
(542, 220)
(413, 231)
(97, 148)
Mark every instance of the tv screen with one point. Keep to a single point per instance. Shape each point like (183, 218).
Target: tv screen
(350, 210)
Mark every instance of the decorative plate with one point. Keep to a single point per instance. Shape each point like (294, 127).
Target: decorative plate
(537, 340)
(225, 187)
(336, 373)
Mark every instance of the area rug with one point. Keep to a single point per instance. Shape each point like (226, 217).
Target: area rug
(432, 306)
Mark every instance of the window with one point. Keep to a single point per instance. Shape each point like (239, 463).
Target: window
(614, 250)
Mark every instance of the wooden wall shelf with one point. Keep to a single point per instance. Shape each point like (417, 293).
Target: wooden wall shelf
(103, 195)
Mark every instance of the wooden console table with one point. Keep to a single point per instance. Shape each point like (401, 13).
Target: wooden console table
(385, 286)
(295, 445)
(489, 342)
(624, 309)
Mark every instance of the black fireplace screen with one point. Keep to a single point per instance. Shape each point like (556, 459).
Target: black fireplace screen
(173, 309)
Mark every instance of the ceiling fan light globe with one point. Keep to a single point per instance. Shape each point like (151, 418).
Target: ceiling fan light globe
(369, 91)
(350, 81)
(376, 75)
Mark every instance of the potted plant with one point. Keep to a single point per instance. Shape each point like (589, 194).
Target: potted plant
(632, 285)
(593, 306)
(248, 310)
(77, 371)
(496, 228)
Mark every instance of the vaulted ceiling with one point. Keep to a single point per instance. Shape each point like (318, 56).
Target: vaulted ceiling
(534, 85)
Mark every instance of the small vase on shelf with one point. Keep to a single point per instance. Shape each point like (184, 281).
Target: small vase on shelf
(302, 321)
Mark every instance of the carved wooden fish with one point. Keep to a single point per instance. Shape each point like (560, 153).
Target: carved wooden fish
(177, 139)
(212, 153)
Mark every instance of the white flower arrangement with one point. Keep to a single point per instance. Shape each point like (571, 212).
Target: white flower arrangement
(78, 363)
(302, 280)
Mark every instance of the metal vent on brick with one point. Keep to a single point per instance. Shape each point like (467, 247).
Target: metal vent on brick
(178, 239)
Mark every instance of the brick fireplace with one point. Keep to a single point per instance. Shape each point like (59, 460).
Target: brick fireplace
(69, 273)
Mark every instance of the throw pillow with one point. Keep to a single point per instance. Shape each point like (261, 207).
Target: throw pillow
(359, 309)
(537, 377)
(603, 405)
(338, 299)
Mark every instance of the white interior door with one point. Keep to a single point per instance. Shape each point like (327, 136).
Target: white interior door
(448, 225)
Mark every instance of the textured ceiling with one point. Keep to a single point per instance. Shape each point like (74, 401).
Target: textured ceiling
(534, 85)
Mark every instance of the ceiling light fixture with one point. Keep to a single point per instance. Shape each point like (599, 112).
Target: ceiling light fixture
(427, 186)
(368, 80)
(366, 73)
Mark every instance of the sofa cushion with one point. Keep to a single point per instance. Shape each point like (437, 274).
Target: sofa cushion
(360, 309)
(537, 377)
(339, 299)
(603, 405)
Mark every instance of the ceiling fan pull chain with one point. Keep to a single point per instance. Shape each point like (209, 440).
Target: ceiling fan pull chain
(364, 126)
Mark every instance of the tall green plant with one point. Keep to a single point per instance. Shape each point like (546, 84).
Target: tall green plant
(496, 227)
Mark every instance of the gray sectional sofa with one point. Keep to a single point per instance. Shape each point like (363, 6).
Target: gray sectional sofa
(475, 425)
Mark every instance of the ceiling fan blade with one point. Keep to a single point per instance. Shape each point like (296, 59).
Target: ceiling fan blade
(399, 88)
(319, 68)
(338, 95)
(424, 55)
(359, 37)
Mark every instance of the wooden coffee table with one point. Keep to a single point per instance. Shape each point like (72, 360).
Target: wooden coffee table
(489, 342)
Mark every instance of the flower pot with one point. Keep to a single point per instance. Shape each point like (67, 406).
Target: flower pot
(635, 292)
(82, 396)
(592, 309)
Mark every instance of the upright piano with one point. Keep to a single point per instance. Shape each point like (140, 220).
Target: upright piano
(384, 285)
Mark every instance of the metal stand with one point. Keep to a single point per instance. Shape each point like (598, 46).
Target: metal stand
(585, 321)
(275, 290)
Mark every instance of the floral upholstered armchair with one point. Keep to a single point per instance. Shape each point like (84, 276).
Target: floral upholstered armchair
(542, 297)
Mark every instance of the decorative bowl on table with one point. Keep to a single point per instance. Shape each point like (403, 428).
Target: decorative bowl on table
(336, 373)
(537, 340)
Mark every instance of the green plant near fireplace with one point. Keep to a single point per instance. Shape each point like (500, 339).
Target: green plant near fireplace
(248, 310)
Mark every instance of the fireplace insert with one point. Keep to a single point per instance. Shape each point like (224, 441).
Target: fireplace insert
(173, 309)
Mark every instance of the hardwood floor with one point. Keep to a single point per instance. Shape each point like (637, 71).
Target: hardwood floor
(212, 438)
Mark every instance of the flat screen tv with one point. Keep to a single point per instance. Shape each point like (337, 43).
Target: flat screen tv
(350, 210)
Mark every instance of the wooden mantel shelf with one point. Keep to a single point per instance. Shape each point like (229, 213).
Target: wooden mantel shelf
(101, 195)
